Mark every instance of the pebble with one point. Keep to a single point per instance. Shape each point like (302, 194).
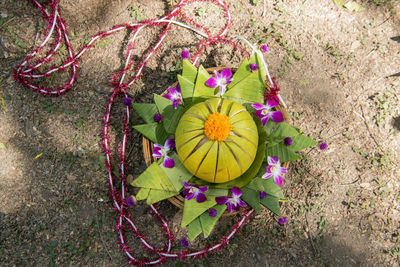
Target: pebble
(71, 177)
(130, 178)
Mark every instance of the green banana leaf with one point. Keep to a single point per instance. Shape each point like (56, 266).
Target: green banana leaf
(201, 89)
(153, 131)
(145, 111)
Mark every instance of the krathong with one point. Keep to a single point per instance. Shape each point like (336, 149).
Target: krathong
(232, 143)
(165, 178)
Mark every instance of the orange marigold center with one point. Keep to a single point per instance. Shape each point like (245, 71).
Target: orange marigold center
(217, 127)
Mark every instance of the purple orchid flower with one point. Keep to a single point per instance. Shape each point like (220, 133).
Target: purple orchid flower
(193, 190)
(264, 112)
(234, 202)
(221, 80)
(275, 170)
(174, 95)
(160, 151)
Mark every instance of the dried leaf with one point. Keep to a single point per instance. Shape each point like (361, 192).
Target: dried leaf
(353, 6)
(338, 3)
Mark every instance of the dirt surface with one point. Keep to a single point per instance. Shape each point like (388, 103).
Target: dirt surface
(334, 67)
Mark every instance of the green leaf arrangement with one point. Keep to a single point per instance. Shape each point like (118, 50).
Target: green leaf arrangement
(158, 182)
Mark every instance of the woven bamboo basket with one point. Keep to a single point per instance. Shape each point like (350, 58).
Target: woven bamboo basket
(179, 200)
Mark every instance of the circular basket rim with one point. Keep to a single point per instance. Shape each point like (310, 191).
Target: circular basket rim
(178, 200)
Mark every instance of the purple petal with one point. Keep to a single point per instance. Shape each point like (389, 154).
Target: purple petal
(323, 146)
(263, 194)
(158, 146)
(278, 180)
(184, 242)
(287, 141)
(227, 74)
(267, 175)
(272, 102)
(230, 207)
(222, 89)
(185, 54)
(273, 161)
(175, 104)
(253, 67)
(178, 88)
(277, 116)
(264, 120)
(186, 191)
(258, 106)
(236, 191)
(217, 75)
(264, 48)
(203, 189)
(221, 200)
(283, 170)
(130, 201)
(259, 113)
(269, 167)
(201, 197)
(169, 144)
(156, 153)
(172, 91)
(186, 185)
(282, 220)
(212, 212)
(236, 207)
(168, 162)
(242, 203)
(212, 82)
(189, 196)
(168, 96)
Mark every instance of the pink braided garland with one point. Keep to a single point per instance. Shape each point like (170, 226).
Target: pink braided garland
(27, 71)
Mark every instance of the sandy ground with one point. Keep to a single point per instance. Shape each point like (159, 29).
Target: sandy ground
(335, 69)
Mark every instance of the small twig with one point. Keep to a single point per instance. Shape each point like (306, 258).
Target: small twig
(355, 181)
(7, 22)
(386, 20)
(128, 156)
(104, 244)
(369, 130)
(37, 33)
(265, 9)
(309, 234)
(3, 46)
